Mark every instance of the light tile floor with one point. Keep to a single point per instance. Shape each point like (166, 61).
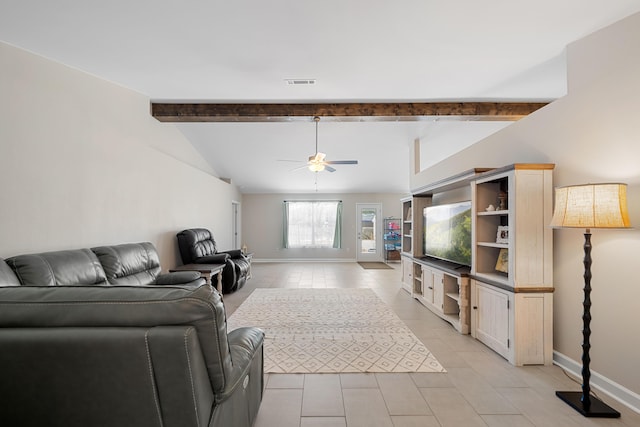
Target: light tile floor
(479, 389)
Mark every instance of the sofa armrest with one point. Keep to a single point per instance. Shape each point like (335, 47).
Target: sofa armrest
(245, 344)
(7, 276)
(233, 253)
(219, 258)
(180, 278)
(180, 375)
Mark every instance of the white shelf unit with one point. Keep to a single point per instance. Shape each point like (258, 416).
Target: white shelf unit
(412, 216)
(407, 244)
(444, 291)
(512, 310)
(527, 216)
(407, 225)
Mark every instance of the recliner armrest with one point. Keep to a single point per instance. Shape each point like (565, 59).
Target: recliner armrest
(233, 253)
(219, 258)
(179, 278)
(244, 343)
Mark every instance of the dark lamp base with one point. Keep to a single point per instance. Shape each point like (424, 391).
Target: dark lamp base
(597, 409)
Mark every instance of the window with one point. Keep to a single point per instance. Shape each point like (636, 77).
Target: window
(312, 224)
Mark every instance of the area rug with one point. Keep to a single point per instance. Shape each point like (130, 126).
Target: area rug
(331, 331)
(375, 266)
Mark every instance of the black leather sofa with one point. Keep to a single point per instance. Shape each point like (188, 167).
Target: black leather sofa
(197, 246)
(98, 337)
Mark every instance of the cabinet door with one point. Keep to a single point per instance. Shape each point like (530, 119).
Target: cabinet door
(492, 319)
(427, 284)
(407, 275)
(407, 266)
(534, 329)
(438, 290)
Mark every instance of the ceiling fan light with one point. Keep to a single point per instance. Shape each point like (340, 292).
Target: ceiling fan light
(316, 167)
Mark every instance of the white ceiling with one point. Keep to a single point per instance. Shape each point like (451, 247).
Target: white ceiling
(242, 51)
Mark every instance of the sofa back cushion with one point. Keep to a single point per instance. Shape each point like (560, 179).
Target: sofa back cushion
(7, 276)
(60, 268)
(196, 243)
(123, 307)
(130, 263)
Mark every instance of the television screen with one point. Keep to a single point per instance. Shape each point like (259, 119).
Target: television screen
(447, 232)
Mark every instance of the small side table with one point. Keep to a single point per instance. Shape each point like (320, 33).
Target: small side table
(207, 271)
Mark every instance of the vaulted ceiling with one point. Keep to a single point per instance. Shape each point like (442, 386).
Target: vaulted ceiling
(421, 51)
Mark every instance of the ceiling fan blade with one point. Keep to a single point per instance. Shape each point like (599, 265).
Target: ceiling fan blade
(293, 161)
(328, 168)
(305, 166)
(342, 162)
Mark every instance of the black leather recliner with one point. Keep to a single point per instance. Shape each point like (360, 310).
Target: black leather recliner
(197, 246)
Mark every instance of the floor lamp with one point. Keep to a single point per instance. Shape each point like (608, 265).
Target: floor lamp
(589, 206)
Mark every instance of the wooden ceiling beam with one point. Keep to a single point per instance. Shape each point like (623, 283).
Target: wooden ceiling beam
(411, 111)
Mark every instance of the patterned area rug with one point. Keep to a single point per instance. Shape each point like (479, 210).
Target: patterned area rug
(330, 331)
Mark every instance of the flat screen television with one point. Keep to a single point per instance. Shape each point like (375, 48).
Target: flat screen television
(447, 232)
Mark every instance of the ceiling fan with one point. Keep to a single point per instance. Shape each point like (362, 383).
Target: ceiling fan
(317, 162)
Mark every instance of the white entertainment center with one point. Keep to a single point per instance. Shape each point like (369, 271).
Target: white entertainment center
(504, 296)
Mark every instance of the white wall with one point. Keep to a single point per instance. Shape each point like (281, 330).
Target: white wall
(83, 163)
(592, 135)
(262, 219)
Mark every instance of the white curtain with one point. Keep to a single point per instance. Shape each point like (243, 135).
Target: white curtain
(312, 224)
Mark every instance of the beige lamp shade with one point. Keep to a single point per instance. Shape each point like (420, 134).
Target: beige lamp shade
(591, 206)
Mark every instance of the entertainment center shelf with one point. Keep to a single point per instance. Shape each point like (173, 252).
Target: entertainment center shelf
(492, 245)
(503, 296)
(444, 289)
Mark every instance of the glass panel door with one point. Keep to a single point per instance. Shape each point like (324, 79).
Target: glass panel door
(369, 241)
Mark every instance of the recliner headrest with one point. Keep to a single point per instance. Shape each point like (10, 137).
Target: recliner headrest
(196, 243)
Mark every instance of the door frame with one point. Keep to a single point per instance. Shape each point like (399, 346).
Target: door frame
(378, 256)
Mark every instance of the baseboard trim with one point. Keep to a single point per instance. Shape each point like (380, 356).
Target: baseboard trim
(265, 260)
(612, 389)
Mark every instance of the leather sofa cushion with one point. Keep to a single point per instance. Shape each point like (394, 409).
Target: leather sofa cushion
(7, 276)
(127, 306)
(59, 268)
(130, 263)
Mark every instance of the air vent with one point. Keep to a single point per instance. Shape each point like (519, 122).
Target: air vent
(300, 81)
